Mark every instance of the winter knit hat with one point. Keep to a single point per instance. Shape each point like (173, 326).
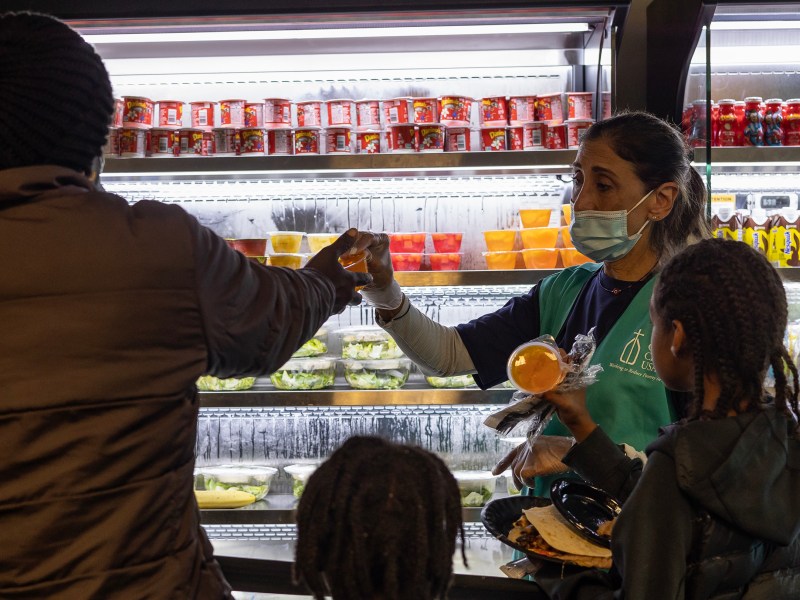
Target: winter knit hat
(55, 95)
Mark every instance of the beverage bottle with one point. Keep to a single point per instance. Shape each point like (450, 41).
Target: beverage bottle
(754, 121)
(727, 123)
(698, 135)
(739, 110)
(756, 229)
(714, 124)
(729, 229)
(773, 122)
(783, 240)
(687, 120)
(791, 136)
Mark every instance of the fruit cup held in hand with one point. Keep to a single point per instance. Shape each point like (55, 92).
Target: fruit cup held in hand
(357, 263)
(536, 367)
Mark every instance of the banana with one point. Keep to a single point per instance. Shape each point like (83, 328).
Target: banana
(223, 499)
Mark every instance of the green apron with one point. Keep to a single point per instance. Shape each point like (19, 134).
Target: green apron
(628, 400)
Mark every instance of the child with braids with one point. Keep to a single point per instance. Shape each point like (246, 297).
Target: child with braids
(715, 513)
(378, 520)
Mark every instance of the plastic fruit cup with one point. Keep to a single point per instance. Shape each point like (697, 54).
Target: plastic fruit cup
(262, 260)
(536, 367)
(292, 261)
(500, 240)
(447, 242)
(566, 209)
(539, 237)
(318, 241)
(501, 260)
(535, 217)
(406, 261)
(357, 263)
(286, 241)
(407, 242)
(249, 247)
(566, 238)
(540, 258)
(571, 257)
(445, 261)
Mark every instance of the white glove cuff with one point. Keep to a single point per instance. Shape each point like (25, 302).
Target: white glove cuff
(388, 298)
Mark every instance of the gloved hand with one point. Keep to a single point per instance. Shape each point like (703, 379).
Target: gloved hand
(384, 292)
(544, 458)
(326, 262)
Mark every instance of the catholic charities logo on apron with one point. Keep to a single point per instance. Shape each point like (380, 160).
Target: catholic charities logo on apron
(636, 357)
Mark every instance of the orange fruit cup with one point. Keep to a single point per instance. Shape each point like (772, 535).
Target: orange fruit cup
(501, 260)
(318, 241)
(566, 210)
(286, 242)
(536, 367)
(539, 237)
(535, 217)
(540, 258)
(406, 261)
(566, 238)
(357, 263)
(571, 257)
(500, 240)
(290, 260)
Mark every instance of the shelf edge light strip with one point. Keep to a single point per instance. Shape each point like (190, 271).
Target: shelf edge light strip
(298, 34)
(753, 25)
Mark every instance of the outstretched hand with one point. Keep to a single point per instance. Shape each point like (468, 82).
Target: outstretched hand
(326, 262)
(527, 463)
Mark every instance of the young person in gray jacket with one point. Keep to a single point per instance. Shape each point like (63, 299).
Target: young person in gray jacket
(110, 313)
(715, 513)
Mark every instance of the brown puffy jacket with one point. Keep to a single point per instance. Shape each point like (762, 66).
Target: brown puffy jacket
(109, 314)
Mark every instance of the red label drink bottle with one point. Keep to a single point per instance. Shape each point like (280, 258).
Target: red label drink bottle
(754, 122)
(773, 122)
(727, 124)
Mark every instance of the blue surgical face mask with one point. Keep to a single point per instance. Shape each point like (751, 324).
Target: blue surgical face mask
(602, 235)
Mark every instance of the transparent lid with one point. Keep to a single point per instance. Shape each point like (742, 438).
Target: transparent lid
(473, 475)
(300, 471)
(308, 365)
(238, 473)
(363, 334)
(389, 363)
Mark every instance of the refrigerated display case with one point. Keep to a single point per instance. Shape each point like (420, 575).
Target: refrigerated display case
(204, 53)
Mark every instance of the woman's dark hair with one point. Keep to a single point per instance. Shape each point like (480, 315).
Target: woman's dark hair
(659, 154)
(733, 308)
(378, 519)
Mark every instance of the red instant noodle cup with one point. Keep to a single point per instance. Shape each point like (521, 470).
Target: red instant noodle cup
(396, 111)
(338, 140)
(203, 114)
(252, 140)
(340, 112)
(575, 130)
(579, 105)
(307, 140)
(368, 142)
(253, 114)
(137, 112)
(403, 139)
(431, 138)
(457, 139)
(112, 143)
(277, 113)
(309, 113)
(170, 114)
(493, 138)
(455, 110)
(231, 113)
(521, 109)
(368, 114)
(494, 111)
(132, 142)
(119, 109)
(164, 142)
(549, 107)
(555, 136)
(425, 110)
(280, 141)
(226, 142)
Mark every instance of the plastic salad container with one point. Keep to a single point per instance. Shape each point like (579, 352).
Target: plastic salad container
(316, 346)
(305, 374)
(388, 374)
(300, 474)
(209, 383)
(511, 487)
(252, 479)
(368, 343)
(476, 487)
(455, 381)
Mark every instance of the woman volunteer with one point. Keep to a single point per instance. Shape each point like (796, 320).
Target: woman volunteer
(637, 201)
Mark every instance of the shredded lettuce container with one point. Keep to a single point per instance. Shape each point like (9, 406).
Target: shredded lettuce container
(316, 346)
(368, 343)
(299, 474)
(209, 383)
(455, 381)
(305, 374)
(253, 479)
(476, 487)
(388, 374)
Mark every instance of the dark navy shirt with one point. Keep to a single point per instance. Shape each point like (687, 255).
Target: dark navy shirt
(492, 338)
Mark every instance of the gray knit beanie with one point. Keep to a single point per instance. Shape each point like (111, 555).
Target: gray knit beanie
(55, 95)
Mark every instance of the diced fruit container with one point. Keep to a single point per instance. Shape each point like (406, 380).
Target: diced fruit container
(501, 260)
(535, 217)
(318, 241)
(447, 261)
(292, 261)
(539, 237)
(500, 240)
(540, 258)
(249, 246)
(262, 260)
(368, 343)
(454, 381)
(447, 242)
(316, 346)
(571, 257)
(566, 238)
(209, 383)
(305, 374)
(286, 242)
(388, 374)
(511, 487)
(299, 474)
(476, 487)
(407, 242)
(253, 479)
(406, 261)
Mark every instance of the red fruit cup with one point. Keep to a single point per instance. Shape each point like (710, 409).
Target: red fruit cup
(340, 112)
(132, 142)
(164, 142)
(338, 140)
(457, 139)
(447, 242)
(249, 246)
(253, 141)
(549, 108)
(521, 109)
(277, 113)
(494, 111)
(226, 141)
(396, 111)
(279, 141)
(191, 142)
(425, 110)
(403, 139)
(455, 110)
(307, 140)
(368, 114)
(170, 114)
(203, 114)
(254, 114)
(137, 112)
(579, 105)
(449, 261)
(575, 130)
(231, 113)
(555, 136)
(431, 138)
(406, 261)
(309, 114)
(368, 142)
(407, 242)
(493, 138)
